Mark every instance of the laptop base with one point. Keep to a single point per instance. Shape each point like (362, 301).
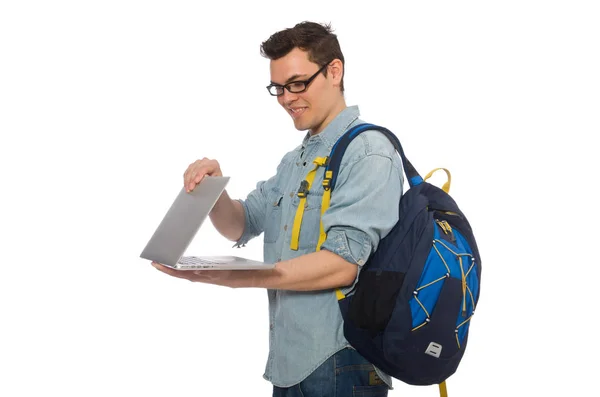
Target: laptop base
(219, 263)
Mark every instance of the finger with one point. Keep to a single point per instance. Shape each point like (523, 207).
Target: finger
(160, 267)
(195, 179)
(187, 175)
(193, 170)
(167, 270)
(200, 174)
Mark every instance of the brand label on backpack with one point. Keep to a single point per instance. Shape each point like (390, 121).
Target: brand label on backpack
(434, 349)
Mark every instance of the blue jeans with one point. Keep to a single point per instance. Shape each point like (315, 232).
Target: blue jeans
(345, 374)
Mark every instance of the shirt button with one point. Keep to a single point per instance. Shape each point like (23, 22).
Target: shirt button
(361, 262)
(271, 326)
(292, 194)
(285, 228)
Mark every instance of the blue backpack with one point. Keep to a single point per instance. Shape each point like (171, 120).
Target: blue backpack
(410, 310)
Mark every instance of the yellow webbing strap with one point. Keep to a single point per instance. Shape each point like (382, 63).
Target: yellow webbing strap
(446, 186)
(310, 177)
(443, 391)
(324, 205)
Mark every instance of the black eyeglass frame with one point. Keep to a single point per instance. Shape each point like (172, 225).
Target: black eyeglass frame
(287, 86)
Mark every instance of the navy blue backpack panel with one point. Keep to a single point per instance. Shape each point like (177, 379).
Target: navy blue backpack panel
(410, 311)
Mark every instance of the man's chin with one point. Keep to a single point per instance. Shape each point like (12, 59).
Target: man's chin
(300, 126)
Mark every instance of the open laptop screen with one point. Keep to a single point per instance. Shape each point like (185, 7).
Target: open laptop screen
(183, 220)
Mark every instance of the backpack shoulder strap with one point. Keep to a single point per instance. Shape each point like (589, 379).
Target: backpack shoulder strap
(335, 159)
(333, 166)
(337, 152)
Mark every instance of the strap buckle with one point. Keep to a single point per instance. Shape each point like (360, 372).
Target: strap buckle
(303, 190)
(327, 180)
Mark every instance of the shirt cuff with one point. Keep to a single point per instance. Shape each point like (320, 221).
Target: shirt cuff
(352, 245)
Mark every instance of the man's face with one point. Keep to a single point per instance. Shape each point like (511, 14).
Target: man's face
(309, 109)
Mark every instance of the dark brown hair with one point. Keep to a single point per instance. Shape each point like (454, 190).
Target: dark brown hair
(318, 40)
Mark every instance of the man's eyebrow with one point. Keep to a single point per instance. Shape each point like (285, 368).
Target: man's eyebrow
(294, 77)
(289, 80)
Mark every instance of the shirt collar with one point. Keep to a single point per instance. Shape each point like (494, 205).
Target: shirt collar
(336, 128)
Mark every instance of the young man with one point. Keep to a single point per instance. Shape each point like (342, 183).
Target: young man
(308, 354)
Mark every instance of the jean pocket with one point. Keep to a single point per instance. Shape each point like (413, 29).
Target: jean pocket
(273, 219)
(371, 391)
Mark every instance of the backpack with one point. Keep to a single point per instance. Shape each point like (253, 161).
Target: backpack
(410, 310)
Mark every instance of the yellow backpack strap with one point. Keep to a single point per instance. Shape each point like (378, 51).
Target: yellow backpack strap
(443, 391)
(302, 193)
(324, 205)
(446, 186)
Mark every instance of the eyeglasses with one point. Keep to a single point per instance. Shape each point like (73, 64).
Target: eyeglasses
(294, 87)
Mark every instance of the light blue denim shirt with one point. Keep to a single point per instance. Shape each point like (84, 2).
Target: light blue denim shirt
(306, 328)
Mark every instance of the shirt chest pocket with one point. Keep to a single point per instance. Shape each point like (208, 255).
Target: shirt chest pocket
(273, 216)
(306, 224)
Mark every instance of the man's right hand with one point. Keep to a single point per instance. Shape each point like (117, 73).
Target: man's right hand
(198, 170)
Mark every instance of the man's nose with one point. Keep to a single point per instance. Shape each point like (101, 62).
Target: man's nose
(288, 97)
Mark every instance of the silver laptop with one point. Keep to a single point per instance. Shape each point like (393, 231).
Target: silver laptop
(181, 223)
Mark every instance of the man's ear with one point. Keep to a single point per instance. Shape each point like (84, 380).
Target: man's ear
(336, 69)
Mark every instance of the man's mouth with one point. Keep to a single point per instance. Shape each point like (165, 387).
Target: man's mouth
(296, 112)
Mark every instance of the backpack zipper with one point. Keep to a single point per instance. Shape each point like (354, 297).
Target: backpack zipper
(447, 229)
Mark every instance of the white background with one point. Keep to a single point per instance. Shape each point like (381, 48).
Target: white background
(104, 104)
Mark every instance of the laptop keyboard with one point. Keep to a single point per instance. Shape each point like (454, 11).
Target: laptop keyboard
(194, 260)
